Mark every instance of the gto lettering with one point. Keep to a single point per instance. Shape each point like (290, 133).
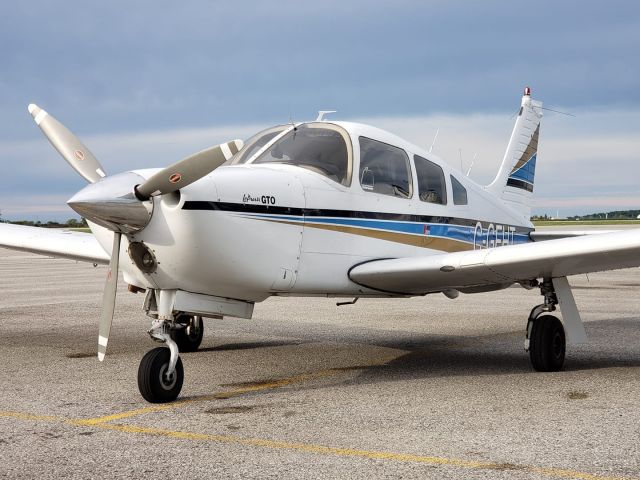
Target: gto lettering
(264, 199)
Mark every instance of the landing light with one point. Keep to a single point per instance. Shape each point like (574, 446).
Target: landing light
(147, 260)
(142, 257)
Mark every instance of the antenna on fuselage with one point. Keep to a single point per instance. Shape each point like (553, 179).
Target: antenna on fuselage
(322, 113)
(472, 162)
(434, 140)
(292, 123)
(558, 111)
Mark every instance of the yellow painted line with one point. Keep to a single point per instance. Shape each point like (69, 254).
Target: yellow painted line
(28, 416)
(350, 452)
(215, 396)
(131, 413)
(322, 449)
(226, 394)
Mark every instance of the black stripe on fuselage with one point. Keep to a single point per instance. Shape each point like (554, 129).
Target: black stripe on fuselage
(315, 212)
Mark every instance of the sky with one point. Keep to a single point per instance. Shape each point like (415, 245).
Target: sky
(146, 83)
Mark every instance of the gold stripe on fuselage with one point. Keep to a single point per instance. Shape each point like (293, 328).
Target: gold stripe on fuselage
(435, 243)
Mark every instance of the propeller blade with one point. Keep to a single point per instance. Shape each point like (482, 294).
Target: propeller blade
(68, 145)
(109, 297)
(187, 170)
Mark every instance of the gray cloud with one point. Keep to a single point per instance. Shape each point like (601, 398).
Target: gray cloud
(148, 65)
(115, 70)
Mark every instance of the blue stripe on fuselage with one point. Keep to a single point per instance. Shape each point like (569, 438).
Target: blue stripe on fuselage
(461, 233)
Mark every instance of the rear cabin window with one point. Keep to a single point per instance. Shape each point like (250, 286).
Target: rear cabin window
(459, 192)
(321, 148)
(384, 169)
(431, 184)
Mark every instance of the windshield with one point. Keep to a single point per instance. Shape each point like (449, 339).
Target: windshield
(255, 143)
(320, 147)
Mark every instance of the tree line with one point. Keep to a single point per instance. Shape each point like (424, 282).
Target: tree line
(71, 223)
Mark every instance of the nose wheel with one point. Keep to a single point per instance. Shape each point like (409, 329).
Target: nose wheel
(155, 382)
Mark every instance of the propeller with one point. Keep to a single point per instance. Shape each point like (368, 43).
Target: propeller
(119, 202)
(187, 170)
(68, 145)
(109, 297)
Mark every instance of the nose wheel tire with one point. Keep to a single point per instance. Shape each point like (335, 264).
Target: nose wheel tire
(188, 338)
(547, 345)
(153, 382)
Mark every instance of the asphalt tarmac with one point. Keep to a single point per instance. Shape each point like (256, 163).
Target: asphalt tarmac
(419, 388)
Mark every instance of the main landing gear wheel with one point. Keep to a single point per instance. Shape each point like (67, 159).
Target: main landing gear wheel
(547, 344)
(154, 383)
(188, 338)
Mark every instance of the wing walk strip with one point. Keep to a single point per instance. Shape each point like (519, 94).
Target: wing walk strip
(104, 423)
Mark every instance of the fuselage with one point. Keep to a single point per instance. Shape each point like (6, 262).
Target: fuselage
(302, 205)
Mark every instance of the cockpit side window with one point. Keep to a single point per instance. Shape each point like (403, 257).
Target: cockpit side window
(320, 147)
(459, 192)
(431, 184)
(384, 169)
(255, 143)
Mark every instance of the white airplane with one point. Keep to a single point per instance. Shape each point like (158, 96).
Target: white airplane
(318, 208)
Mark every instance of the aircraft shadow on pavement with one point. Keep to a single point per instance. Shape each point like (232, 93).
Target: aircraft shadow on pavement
(613, 344)
(247, 346)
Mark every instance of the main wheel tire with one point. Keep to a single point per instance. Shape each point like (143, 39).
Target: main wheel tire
(547, 344)
(188, 338)
(154, 385)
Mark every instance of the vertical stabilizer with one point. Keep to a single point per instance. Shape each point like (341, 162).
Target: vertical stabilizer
(515, 179)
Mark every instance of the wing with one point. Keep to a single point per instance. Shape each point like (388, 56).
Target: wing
(501, 265)
(53, 242)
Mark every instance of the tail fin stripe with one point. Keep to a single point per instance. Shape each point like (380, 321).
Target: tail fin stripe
(512, 182)
(529, 152)
(527, 171)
